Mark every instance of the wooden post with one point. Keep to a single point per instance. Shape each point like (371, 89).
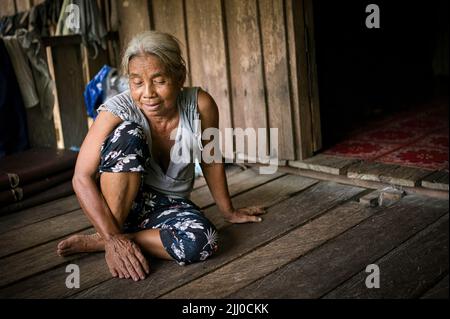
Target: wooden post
(68, 72)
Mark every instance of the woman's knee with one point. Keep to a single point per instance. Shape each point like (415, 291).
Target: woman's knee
(125, 149)
(187, 246)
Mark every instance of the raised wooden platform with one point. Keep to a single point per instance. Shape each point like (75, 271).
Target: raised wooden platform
(316, 241)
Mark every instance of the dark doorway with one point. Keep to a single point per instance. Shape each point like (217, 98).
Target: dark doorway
(369, 73)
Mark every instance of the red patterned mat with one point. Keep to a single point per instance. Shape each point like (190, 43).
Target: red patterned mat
(416, 138)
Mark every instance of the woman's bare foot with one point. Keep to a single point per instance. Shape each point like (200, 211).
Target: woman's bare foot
(80, 244)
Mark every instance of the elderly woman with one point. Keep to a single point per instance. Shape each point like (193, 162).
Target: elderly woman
(141, 203)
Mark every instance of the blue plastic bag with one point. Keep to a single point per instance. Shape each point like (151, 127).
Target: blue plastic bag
(94, 92)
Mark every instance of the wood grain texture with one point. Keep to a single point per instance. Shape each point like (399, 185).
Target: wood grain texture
(38, 213)
(69, 82)
(387, 173)
(312, 74)
(237, 183)
(437, 180)
(23, 5)
(439, 291)
(274, 49)
(33, 261)
(407, 271)
(133, 19)
(229, 171)
(274, 255)
(41, 232)
(208, 56)
(7, 8)
(240, 239)
(246, 65)
(264, 196)
(298, 65)
(168, 16)
(51, 284)
(320, 271)
(329, 164)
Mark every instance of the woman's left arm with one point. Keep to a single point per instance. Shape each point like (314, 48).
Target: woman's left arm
(214, 172)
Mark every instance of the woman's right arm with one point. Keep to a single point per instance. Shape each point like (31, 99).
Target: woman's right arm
(123, 257)
(84, 179)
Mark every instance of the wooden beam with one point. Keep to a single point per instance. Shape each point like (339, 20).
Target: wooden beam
(276, 74)
(133, 19)
(69, 81)
(326, 164)
(169, 16)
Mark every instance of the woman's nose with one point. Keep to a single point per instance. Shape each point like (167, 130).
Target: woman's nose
(149, 90)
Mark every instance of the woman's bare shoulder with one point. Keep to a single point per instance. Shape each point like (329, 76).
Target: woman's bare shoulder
(207, 107)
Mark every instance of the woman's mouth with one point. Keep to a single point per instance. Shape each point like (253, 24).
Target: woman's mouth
(151, 105)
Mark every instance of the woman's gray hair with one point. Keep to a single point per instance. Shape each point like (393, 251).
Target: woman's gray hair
(165, 46)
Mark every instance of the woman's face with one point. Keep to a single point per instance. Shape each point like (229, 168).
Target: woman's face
(152, 89)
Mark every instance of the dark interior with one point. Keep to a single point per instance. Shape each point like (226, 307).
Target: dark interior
(368, 73)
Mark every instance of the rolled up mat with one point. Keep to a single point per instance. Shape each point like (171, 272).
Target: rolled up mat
(56, 192)
(34, 164)
(25, 191)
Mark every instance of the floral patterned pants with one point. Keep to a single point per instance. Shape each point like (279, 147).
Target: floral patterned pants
(187, 235)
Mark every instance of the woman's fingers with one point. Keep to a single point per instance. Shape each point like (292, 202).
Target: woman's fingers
(130, 268)
(254, 210)
(143, 262)
(137, 267)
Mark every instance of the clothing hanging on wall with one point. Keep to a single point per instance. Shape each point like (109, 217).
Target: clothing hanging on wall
(31, 71)
(91, 27)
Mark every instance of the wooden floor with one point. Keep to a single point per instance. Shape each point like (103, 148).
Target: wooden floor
(316, 241)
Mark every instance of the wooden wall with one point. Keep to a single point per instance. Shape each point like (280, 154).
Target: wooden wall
(254, 57)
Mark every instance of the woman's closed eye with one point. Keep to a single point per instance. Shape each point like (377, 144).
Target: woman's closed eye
(159, 81)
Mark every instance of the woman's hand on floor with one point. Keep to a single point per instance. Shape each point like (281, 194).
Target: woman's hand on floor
(125, 259)
(245, 215)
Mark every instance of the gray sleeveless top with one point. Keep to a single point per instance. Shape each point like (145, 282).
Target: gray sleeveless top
(178, 181)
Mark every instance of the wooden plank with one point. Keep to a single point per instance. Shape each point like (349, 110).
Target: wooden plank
(246, 65)
(387, 173)
(312, 74)
(70, 86)
(295, 23)
(322, 270)
(237, 183)
(33, 261)
(240, 239)
(168, 16)
(133, 19)
(265, 195)
(23, 5)
(437, 180)
(269, 258)
(7, 8)
(439, 291)
(38, 233)
(361, 183)
(38, 213)
(408, 270)
(274, 45)
(329, 164)
(229, 171)
(208, 57)
(93, 269)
